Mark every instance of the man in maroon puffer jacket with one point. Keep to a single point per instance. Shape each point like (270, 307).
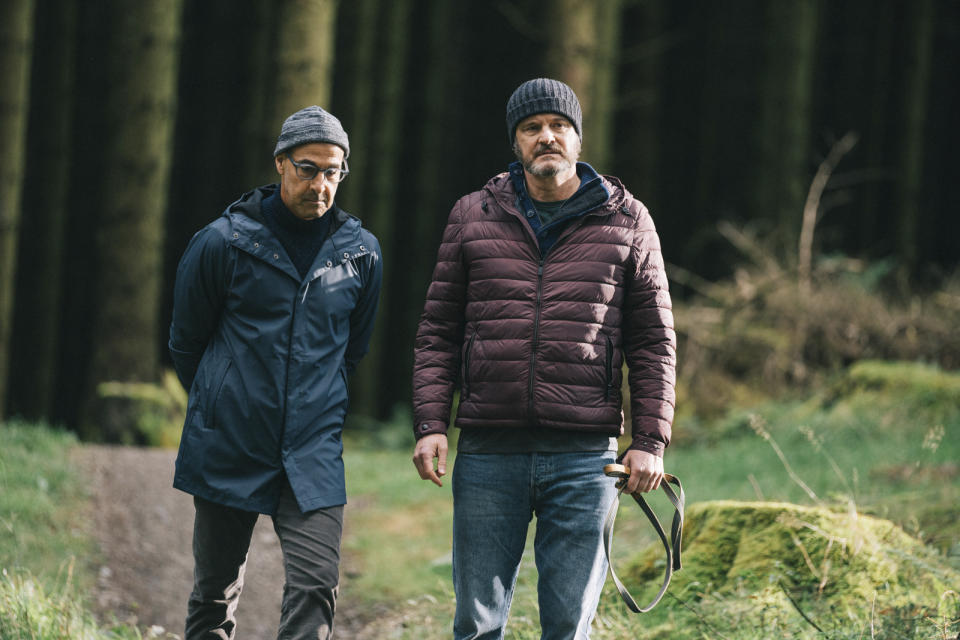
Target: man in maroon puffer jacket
(546, 281)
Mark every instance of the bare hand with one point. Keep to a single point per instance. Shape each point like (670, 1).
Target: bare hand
(646, 471)
(430, 448)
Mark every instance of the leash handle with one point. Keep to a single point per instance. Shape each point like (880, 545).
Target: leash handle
(678, 499)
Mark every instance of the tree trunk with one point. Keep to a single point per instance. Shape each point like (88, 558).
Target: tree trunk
(383, 203)
(43, 229)
(916, 74)
(259, 131)
(358, 92)
(599, 146)
(582, 51)
(877, 116)
(784, 123)
(638, 114)
(141, 103)
(16, 32)
(303, 59)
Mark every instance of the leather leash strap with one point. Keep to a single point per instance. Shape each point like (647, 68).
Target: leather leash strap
(676, 530)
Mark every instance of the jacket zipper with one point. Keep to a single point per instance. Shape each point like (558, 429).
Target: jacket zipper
(536, 342)
(609, 388)
(466, 365)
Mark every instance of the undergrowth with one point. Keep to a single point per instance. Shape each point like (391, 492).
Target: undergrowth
(42, 597)
(766, 333)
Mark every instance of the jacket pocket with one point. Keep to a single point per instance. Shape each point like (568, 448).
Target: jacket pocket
(466, 366)
(608, 387)
(216, 388)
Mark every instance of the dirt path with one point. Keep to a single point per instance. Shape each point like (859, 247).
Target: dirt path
(144, 529)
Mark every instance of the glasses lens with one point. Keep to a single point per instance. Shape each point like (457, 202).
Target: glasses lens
(305, 171)
(334, 174)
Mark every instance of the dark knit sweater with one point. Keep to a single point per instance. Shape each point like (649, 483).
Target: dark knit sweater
(301, 239)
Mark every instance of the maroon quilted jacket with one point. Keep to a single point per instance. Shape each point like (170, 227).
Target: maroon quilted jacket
(536, 342)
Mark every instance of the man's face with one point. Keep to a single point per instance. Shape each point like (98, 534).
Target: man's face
(308, 199)
(547, 145)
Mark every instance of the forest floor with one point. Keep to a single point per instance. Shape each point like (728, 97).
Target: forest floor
(143, 528)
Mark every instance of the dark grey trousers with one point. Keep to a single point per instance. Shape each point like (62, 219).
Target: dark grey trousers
(311, 556)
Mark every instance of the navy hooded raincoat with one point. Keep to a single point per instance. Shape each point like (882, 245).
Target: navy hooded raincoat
(265, 355)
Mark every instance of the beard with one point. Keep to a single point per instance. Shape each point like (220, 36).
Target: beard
(547, 167)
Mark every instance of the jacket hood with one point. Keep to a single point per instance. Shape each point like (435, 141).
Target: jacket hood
(249, 205)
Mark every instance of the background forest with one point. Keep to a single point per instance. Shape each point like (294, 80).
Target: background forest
(128, 126)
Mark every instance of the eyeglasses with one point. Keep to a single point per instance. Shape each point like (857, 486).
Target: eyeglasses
(309, 171)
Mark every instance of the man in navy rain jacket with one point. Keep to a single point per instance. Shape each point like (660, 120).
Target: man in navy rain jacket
(274, 306)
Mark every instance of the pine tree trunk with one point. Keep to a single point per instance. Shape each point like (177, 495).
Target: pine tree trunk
(784, 165)
(914, 95)
(636, 152)
(599, 146)
(43, 228)
(16, 32)
(142, 103)
(359, 99)
(582, 51)
(303, 58)
(260, 128)
(383, 205)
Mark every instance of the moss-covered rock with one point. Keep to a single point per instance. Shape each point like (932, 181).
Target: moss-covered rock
(839, 568)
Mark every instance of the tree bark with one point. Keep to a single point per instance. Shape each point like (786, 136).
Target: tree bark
(916, 74)
(383, 205)
(16, 22)
(43, 228)
(582, 51)
(142, 103)
(638, 114)
(259, 129)
(784, 123)
(359, 100)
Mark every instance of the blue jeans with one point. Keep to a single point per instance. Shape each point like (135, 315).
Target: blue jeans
(494, 498)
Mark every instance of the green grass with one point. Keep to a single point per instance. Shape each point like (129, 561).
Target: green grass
(884, 438)
(28, 611)
(41, 542)
(41, 498)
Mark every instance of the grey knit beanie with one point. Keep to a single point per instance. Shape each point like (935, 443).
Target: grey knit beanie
(311, 124)
(542, 95)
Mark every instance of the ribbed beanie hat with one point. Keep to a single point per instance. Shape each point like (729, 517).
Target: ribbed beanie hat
(311, 124)
(542, 95)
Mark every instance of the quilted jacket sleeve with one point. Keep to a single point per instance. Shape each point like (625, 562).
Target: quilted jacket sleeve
(649, 342)
(439, 337)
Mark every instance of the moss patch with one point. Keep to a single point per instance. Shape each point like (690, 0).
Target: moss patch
(839, 569)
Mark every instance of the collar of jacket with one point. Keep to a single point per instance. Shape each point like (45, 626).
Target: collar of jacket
(251, 234)
(591, 194)
(249, 205)
(503, 190)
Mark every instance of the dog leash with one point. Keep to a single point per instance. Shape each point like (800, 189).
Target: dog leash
(672, 546)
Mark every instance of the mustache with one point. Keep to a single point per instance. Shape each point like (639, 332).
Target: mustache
(547, 148)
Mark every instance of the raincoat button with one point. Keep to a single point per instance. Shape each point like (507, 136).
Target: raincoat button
(235, 235)
(530, 213)
(276, 256)
(256, 245)
(346, 255)
(362, 248)
(329, 264)
(424, 427)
